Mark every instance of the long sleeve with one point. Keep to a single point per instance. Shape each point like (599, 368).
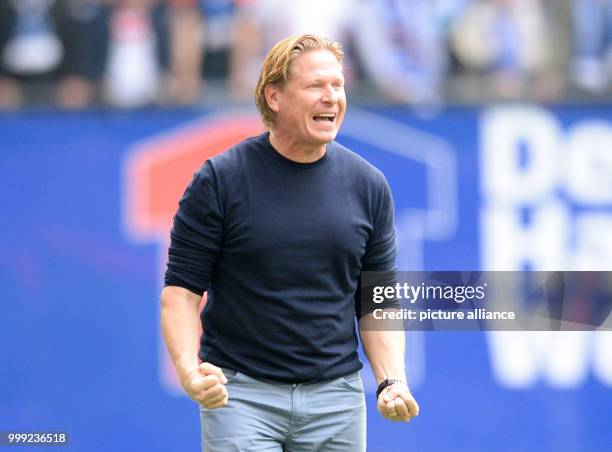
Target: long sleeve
(197, 234)
(380, 254)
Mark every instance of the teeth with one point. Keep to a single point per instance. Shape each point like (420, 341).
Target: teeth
(324, 116)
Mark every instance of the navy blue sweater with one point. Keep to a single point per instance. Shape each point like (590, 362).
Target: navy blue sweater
(278, 246)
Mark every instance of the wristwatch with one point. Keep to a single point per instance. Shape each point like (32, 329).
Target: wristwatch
(387, 382)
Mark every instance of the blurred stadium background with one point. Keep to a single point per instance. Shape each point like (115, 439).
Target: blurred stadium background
(490, 119)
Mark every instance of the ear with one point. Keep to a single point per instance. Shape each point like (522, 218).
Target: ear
(271, 92)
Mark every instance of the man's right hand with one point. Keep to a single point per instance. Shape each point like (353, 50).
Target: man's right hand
(206, 385)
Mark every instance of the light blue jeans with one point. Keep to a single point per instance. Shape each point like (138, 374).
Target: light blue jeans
(266, 416)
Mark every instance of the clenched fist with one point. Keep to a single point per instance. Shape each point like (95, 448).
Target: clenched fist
(206, 385)
(396, 403)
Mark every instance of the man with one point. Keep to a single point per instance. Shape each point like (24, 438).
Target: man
(277, 230)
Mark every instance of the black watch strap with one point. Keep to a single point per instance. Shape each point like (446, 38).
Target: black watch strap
(386, 382)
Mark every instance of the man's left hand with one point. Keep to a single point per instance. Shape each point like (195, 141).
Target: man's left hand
(396, 403)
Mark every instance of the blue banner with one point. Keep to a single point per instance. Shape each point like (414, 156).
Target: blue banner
(88, 200)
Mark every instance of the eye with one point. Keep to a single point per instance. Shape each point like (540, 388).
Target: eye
(314, 85)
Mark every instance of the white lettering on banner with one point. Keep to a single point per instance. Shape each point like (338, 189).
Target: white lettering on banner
(593, 241)
(547, 205)
(589, 163)
(602, 350)
(520, 359)
(509, 243)
(505, 135)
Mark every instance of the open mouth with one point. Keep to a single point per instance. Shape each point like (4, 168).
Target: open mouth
(325, 117)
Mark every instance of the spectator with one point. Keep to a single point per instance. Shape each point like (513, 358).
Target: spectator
(186, 52)
(592, 57)
(508, 41)
(39, 47)
(401, 46)
(201, 41)
(133, 72)
(10, 91)
(261, 23)
(84, 32)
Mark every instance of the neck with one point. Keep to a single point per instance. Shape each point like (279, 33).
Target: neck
(289, 148)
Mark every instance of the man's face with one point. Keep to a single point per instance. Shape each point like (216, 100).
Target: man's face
(310, 107)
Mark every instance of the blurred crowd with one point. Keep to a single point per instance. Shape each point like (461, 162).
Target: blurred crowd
(134, 53)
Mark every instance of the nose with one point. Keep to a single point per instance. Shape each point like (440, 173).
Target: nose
(330, 96)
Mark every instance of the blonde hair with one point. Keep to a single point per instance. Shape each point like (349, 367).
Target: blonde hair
(276, 67)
